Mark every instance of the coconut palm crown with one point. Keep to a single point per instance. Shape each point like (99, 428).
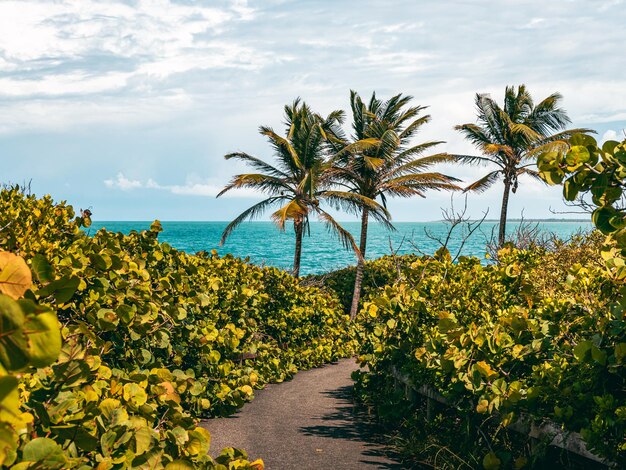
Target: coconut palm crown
(511, 137)
(299, 181)
(388, 163)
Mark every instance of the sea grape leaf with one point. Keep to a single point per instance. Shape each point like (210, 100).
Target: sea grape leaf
(199, 442)
(491, 461)
(62, 289)
(601, 219)
(44, 452)
(44, 338)
(135, 394)
(577, 154)
(580, 350)
(13, 342)
(43, 270)
(9, 398)
(179, 465)
(15, 277)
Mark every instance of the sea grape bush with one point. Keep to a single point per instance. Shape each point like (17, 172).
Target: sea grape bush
(29, 337)
(588, 169)
(537, 334)
(153, 339)
(377, 273)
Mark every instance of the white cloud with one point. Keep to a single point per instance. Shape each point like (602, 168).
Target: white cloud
(153, 79)
(92, 47)
(123, 183)
(194, 186)
(613, 135)
(535, 23)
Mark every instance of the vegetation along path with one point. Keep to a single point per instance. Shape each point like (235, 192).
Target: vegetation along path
(309, 422)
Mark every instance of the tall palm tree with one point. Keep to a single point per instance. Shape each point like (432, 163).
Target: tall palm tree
(299, 181)
(387, 163)
(511, 137)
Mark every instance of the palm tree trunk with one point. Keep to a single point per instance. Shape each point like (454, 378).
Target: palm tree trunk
(503, 212)
(298, 227)
(360, 267)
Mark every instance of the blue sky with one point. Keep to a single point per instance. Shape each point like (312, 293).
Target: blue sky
(128, 107)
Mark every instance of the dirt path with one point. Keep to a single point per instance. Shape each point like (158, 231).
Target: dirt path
(309, 422)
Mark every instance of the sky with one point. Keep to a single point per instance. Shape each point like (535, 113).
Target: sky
(128, 107)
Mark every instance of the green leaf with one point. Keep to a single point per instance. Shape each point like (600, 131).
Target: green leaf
(609, 146)
(135, 394)
(620, 351)
(179, 465)
(62, 289)
(156, 227)
(8, 445)
(580, 350)
(576, 155)
(552, 177)
(601, 218)
(13, 342)
(44, 452)
(570, 190)
(43, 270)
(107, 319)
(598, 355)
(180, 435)
(143, 439)
(44, 338)
(9, 398)
(199, 442)
(583, 139)
(491, 462)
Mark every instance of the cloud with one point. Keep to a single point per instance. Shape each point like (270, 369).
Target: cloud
(192, 187)
(165, 88)
(535, 23)
(108, 52)
(613, 135)
(123, 183)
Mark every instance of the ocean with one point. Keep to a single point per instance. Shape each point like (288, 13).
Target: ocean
(264, 244)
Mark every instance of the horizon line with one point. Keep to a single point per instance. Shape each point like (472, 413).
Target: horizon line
(538, 219)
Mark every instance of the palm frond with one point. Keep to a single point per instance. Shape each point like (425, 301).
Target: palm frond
(251, 213)
(423, 181)
(416, 150)
(410, 130)
(346, 238)
(264, 183)
(532, 173)
(294, 209)
(357, 147)
(476, 160)
(475, 134)
(484, 183)
(256, 163)
(353, 202)
(283, 147)
(418, 164)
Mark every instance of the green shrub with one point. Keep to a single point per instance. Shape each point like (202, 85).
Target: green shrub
(153, 338)
(536, 334)
(378, 273)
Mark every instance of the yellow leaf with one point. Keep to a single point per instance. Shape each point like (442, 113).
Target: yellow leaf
(15, 277)
(482, 407)
(485, 369)
(257, 464)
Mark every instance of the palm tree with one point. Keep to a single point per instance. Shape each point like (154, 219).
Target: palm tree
(388, 164)
(510, 139)
(300, 180)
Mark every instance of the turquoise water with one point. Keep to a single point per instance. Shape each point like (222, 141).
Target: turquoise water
(322, 252)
